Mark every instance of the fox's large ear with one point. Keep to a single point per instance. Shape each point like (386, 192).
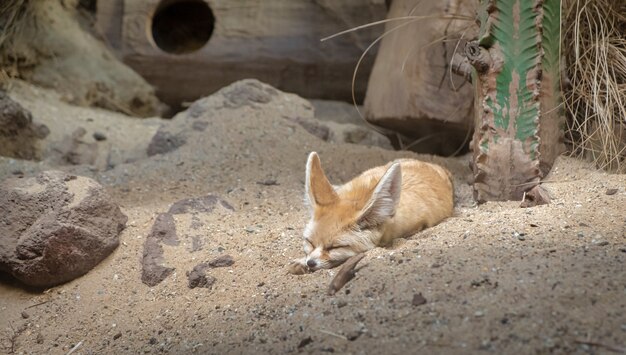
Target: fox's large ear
(382, 204)
(319, 191)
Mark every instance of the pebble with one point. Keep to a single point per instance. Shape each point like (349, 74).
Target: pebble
(418, 300)
(354, 335)
(479, 314)
(99, 136)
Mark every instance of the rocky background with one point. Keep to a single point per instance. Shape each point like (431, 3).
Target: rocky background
(215, 214)
(127, 235)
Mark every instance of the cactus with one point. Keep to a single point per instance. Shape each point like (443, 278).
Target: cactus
(518, 122)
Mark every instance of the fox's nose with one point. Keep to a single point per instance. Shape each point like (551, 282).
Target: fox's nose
(311, 263)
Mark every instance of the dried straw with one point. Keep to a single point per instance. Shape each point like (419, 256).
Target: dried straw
(594, 46)
(11, 14)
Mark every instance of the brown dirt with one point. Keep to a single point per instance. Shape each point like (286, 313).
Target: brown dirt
(494, 278)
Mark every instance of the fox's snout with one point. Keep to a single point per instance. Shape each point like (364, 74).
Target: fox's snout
(326, 259)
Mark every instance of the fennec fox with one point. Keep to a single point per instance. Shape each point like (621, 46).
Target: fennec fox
(383, 203)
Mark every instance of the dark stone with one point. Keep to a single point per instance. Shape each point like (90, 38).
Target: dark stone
(354, 335)
(313, 127)
(165, 142)
(18, 134)
(418, 300)
(163, 231)
(199, 125)
(222, 261)
(198, 277)
(99, 136)
(203, 204)
(304, 342)
(611, 192)
(247, 93)
(55, 227)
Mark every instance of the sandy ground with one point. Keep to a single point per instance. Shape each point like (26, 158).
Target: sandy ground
(496, 278)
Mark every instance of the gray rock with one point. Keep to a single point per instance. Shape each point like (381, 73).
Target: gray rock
(55, 227)
(19, 136)
(165, 142)
(163, 232)
(198, 277)
(222, 261)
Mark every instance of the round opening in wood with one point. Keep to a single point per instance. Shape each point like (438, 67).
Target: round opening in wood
(183, 26)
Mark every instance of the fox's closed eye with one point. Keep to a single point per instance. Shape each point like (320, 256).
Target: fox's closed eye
(336, 247)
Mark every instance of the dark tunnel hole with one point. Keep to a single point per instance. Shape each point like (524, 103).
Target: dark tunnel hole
(182, 26)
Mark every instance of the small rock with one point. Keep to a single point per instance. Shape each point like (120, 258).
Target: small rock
(198, 277)
(341, 304)
(418, 300)
(268, 182)
(117, 336)
(199, 125)
(165, 142)
(304, 342)
(152, 341)
(354, 335)
(201, 204)
(611, 192)
(25, 315)
(479, 314)
(99, 136)
(222, 261)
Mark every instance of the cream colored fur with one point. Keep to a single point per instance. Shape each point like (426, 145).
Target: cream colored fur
(383, 203)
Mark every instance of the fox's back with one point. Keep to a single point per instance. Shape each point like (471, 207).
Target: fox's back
(425, 200)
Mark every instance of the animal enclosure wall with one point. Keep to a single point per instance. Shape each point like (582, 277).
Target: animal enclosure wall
(191, 48)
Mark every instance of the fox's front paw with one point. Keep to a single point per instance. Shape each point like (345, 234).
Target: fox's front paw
(298, 267)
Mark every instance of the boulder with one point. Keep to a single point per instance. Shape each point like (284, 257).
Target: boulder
(55, 227)
(19, 136)
(251, 94)
(51, 48)
(412, 90)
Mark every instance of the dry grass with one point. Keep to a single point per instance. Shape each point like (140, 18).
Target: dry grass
(595, 49)
(11, 14)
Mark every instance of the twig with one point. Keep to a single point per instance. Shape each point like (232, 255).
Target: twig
(37, 304)
(616, 349)
(333, 334)
(345, 274)
(13, 338)
(75, 347)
